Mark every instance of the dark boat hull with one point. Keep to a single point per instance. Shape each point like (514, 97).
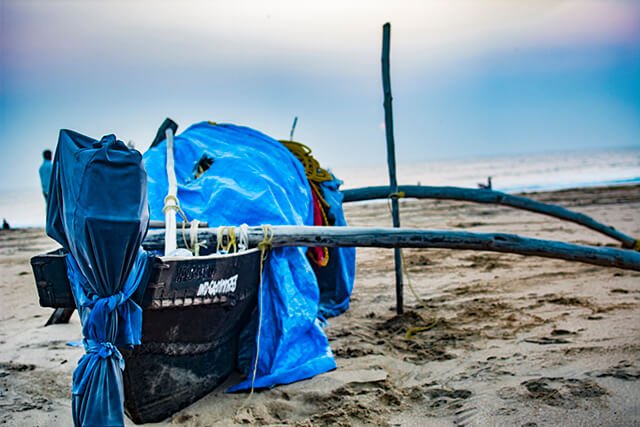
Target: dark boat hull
(194, 311)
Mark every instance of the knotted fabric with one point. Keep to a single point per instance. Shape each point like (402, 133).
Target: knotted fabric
(107, 323)
(98, 212)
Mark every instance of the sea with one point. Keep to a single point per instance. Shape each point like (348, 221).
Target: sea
(25, 207)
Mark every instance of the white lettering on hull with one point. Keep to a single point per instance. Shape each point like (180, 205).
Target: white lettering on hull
(217, 287)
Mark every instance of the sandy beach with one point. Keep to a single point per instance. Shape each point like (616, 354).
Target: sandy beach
(487, 339)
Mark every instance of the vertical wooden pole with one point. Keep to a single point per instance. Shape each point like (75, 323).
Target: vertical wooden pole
(391, 156)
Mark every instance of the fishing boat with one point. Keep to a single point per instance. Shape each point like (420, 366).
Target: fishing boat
(175, 317)
(193, 310)
(195, 306)
(175, 321)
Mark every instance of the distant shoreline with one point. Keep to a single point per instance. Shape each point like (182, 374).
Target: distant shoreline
(595, 184)
(531, 193)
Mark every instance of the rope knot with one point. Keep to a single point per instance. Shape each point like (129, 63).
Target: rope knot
(175, 206)
(267, 238)
(110, 302)
(230, 233)
(104, 350)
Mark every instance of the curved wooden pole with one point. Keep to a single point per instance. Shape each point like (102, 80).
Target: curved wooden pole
(285, 235)
(489, 197)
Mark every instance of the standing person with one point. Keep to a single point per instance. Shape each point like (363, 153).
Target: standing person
(45, 173)
(60, 315)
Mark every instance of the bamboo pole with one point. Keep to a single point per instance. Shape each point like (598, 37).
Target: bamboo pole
(286, 235)
(179, 224)
(391, 157)
(171, 201)
(489, 197)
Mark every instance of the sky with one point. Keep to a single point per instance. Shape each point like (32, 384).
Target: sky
(469, 78)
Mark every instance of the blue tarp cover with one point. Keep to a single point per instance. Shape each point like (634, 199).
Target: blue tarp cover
(336, 279)
(255, 180)
(97, 210)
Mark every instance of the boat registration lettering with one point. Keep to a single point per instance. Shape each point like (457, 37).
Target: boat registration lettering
(216, 287)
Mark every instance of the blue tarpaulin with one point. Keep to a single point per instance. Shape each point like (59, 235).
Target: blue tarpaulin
(98, 212)
(254, 179)
(336, 279)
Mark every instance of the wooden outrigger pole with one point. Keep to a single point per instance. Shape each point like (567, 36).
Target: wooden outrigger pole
(478, 196)
(391, 157)
(288, 235)
(490, 197)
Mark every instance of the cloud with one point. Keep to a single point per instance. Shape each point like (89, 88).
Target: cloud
(101, 66)
(297, 33)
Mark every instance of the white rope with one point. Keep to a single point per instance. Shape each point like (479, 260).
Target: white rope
(243, 241)
(193, 234)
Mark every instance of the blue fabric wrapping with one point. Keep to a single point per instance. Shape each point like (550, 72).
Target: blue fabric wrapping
(98, 212)
(336, 279)
(293, 345)
(255, 180)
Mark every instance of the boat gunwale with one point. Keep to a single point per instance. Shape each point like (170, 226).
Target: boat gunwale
(216, 255)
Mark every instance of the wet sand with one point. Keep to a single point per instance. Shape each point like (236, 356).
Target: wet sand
(487, 339)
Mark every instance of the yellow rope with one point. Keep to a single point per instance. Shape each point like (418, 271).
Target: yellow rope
(314, 186)
(231, 243)
(324, 261)
(179, 210)
(636, 246)
(264, 246)
(199, 172)
(315, 175)
(411, 332)
(325, 250)
(406, 274)
(166, 199)
(267, 239)
(400, 194)
(312, 167)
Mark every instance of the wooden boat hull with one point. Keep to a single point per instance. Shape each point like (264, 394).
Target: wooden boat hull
(194, 311)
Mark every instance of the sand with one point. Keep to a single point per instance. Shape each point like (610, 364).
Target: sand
(494, 339)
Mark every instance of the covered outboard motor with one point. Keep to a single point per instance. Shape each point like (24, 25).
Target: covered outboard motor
(98, 212)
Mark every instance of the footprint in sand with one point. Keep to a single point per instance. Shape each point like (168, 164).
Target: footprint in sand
(559, 392)
(624, 370)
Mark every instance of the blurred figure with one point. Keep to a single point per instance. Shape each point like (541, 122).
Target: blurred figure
(5, 224)
(45, 173)
(60, 315)
(486, 186)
